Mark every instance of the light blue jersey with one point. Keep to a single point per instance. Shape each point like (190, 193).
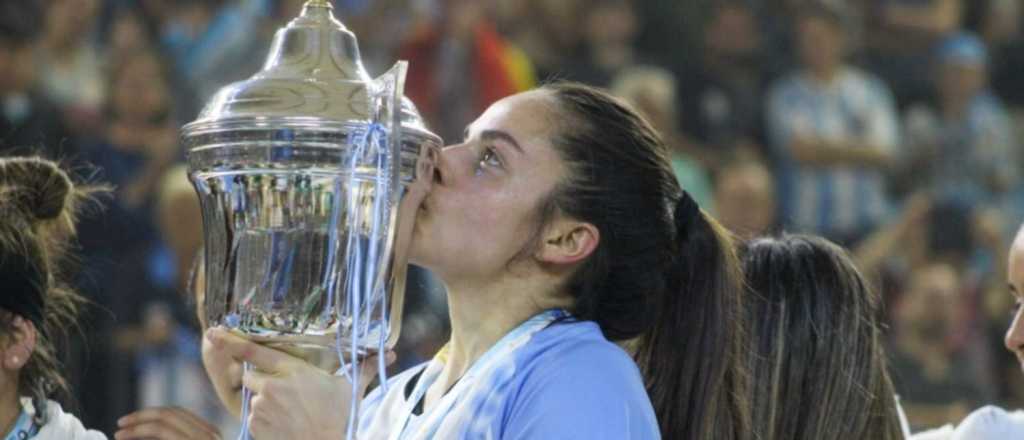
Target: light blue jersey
(545, 380)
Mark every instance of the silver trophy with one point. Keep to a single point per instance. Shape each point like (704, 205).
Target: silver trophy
(309, 175)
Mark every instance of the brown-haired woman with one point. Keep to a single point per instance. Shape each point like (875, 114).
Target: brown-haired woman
(818, 365)
(558, 228)
(37, 216)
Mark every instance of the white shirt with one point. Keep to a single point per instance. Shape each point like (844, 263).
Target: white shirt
(988, 423)
(60, 425)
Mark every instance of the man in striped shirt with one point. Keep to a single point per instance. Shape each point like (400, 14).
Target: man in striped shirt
(833, 131)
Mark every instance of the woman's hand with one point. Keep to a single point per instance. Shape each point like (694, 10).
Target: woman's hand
(165, 423)
(226, 376)
(291, 398)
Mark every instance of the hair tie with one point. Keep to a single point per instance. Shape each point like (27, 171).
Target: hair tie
(24, 287)
(687, 211)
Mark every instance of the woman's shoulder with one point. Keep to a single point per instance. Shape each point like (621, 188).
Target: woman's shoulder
(574, 357)
(61, 425)
(575, 344)
(987, 423)
(569, 371)
(991, 422)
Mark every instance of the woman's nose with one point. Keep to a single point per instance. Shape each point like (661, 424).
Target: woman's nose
(1015, 335)
(448, 160)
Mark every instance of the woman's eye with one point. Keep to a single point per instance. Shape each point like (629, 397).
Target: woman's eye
(489, 158)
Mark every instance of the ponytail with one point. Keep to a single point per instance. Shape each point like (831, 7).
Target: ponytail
(691, 357)
(664, 276)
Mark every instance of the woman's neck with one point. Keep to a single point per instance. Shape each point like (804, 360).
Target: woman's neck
(480, 317)
(483, 313)
(10, 406)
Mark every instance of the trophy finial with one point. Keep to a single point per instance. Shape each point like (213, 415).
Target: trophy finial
(321, 3)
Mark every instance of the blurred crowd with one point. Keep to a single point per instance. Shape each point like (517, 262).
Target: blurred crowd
(890, 126)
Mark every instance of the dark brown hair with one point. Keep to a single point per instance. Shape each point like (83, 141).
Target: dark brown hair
(38, 206)
(818, 364)
(664, 275)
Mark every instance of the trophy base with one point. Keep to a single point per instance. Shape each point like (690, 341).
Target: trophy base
(318, 350)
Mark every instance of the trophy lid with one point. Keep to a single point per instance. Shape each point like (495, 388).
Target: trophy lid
(313, 78)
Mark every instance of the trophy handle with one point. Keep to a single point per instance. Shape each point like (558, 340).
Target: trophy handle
(388, 90)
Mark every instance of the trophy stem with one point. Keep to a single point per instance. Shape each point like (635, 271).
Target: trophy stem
(321, 357)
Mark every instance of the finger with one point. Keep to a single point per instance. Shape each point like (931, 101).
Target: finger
(256, 381)
(158, 430)
(259, 426)
(196, 422)
(263, 358)
(370, 365)
(177, 419)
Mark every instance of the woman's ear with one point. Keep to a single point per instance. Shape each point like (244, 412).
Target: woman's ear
(20, 345)
(568, 242)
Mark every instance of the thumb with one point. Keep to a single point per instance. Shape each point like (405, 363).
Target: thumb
(369, 366)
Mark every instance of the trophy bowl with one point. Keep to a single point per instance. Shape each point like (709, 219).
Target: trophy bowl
(309, 175)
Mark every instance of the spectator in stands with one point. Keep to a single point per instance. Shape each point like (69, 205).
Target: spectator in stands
(652, 91)
(29, 121)
(128, 30)
(963, 145)
(459, 65)
(834, 134)
(721, 96)
(933, 377)
(140, 142)
(993, 422)
(998, 24)
(216, 42)
(745, 199)
(548, 31)
(71, 63)
(900, 36)
(609, 29)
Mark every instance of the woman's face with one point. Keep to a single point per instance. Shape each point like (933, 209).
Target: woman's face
(482, 210)
(128, 34)
(72, 19)
(1015, 335)
(140, 89)
(932, 302)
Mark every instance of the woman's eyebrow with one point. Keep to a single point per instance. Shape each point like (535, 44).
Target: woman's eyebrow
(490, 135)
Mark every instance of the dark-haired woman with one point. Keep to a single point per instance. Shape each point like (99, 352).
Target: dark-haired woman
(37, 211)
(818, 366)
(558, 229)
